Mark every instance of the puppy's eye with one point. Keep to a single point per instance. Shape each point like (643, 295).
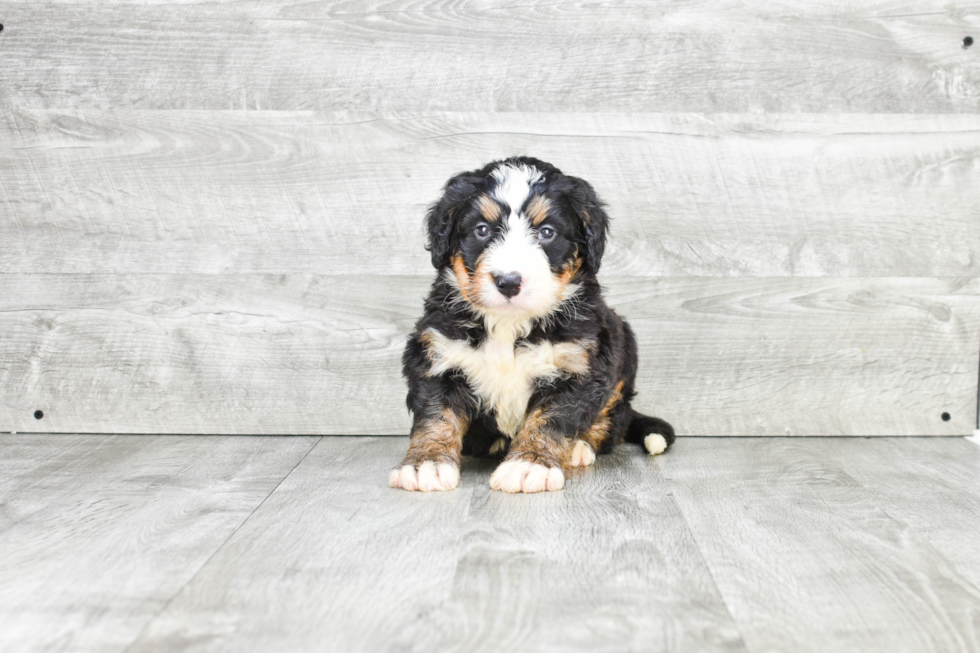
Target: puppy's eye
(546, 234)
(483, 231)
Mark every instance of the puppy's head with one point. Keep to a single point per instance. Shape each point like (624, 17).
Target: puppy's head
(516, 235)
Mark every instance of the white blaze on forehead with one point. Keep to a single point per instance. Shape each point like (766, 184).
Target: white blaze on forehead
(518, 250)
(514, 185)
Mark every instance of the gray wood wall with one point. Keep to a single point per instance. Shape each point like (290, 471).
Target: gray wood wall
(210, 211)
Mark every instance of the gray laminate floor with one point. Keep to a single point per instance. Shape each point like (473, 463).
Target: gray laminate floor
(166, 543)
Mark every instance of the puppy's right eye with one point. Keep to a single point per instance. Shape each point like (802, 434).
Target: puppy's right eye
(483, 231)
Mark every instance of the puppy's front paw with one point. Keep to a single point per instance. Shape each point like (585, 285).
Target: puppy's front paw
(582, 454)
(522, 476)
(427, 477)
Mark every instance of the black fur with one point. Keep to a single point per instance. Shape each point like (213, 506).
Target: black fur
(573, 402)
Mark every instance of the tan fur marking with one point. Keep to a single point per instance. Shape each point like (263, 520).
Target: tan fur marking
(469, 284)
(537, 209)
(462, 277)
(617, 394)
(533, 422)
(489, 209)
(599, 430)
(573, 357)
(597, 433)
(439, 440)
(481, 276)
(533, 445)
(570, 270)
(568, 273)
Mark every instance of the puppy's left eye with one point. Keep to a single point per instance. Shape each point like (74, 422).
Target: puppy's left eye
(546, 234)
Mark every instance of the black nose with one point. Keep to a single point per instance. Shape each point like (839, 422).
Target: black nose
(508, 284)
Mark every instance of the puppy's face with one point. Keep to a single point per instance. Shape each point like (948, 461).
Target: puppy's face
(516, 235)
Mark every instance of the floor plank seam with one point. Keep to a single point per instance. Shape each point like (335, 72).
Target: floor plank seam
(704, 561)
(218, 549)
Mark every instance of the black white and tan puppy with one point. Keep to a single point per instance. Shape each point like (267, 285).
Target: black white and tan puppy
(517, 354)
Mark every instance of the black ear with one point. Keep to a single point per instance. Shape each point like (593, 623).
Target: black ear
(444, 215)
(590, 211)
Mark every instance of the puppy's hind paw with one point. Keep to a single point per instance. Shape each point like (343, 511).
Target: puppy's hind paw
(427, 477)
(582, 454)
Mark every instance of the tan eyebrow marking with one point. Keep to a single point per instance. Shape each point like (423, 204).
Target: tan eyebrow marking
(489, 209)
(537, 209)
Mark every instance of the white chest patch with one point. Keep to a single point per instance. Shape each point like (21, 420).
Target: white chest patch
(501, 374)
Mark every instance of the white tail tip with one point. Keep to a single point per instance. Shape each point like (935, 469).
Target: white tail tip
(655, 443)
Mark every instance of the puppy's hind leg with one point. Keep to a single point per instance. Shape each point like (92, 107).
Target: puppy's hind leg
(600, 437)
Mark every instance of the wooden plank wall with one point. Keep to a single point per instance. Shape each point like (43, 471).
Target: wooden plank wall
(210, 211)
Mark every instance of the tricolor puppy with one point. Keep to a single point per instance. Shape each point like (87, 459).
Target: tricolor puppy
(517, 354)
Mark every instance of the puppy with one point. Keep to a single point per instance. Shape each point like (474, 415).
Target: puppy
(517, 354)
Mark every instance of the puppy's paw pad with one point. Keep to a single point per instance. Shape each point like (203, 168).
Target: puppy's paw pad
(582, 454)
(515, 476)
(428, 477)
(655, 443)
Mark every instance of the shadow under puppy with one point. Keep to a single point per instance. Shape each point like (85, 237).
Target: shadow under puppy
(517, 354)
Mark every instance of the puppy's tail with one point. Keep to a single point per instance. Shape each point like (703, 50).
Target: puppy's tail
(653, 433)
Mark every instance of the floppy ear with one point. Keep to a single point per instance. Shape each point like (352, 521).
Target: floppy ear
(443, 216)
(591, 214)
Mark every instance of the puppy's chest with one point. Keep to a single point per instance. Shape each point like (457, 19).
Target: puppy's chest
(503, 373)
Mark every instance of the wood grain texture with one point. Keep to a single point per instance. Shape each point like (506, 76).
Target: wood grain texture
(885, 56)
(808, 557)
(734, 544)
(98, 533)
(200, 354)
(345, 193)
(237, 189)
(307, 354)
(339, 560)
(942, 503)
(257, 544)
(335, 556)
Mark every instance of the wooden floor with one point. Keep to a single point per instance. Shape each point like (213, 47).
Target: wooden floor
(171, 543)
